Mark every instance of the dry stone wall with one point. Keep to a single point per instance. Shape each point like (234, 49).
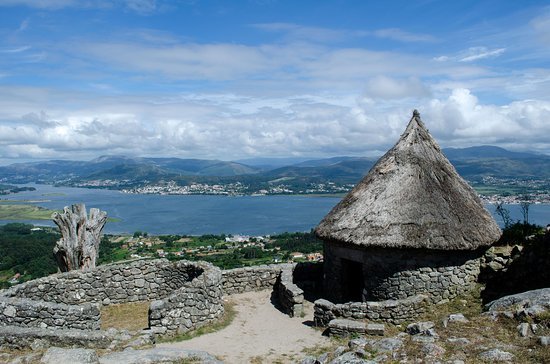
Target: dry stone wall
(439, 283)
(392, 274)
(391, 311)
(115, 283)
(187, 295)
(278, 277)
(291, 297)
(198, 302)
(240, 280)
(16, 337)
(28, 313)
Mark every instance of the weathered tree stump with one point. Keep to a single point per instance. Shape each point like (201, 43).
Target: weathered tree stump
(78, 247)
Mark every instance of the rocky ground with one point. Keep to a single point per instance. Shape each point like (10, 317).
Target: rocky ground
(515, 329)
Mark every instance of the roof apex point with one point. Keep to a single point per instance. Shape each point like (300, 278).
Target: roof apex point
(416, 114)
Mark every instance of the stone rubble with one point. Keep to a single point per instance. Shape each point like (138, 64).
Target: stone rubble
(455, 317)
(496, 355)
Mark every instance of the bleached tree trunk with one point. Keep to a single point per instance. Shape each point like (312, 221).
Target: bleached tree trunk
(78, 247)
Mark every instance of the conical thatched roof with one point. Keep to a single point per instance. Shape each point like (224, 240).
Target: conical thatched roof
(412, 198)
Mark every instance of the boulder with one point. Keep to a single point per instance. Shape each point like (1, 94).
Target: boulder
(433, 350)
(496, 355)
(539, 297)
(455, 317)
(158, 355)
(420, 327)
(69, 356)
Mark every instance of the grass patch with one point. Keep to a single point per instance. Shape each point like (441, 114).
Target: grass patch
(129, 316)
(222, 323)
(24, 212)
(321, 349)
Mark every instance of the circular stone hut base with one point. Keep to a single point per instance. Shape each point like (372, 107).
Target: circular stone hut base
(185, 295)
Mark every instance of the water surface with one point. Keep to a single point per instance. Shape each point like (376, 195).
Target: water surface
(198, 214)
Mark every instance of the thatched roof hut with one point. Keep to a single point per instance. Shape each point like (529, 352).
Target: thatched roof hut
(412, 198)
(411, 226)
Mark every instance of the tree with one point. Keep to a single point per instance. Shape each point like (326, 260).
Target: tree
(504, 214)
(78, 247)
(525, 211)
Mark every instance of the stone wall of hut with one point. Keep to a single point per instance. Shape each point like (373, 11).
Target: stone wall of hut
(374, 274)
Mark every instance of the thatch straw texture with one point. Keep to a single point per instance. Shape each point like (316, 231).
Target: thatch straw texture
(412, 198)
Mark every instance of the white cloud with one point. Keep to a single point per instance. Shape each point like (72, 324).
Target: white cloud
(460, 120)
(184, 61)
(24, 25)
(541, 26)
(268, 69)
(475, 53)
(471, 54)
(300, 95)
(234, 126)
(138, 6)
(16, 50)
(403, 36)
(142, 6)
(390, 88)
(300, 32)
(40, 4)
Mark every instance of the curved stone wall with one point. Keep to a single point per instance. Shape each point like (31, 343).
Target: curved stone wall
(196, 303)
(392, 311)
(392, 274)
(188, 290)
(142, 280)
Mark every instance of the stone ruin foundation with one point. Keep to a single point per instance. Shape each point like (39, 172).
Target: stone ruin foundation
(184, 296)
(64, 309)
(391, 285)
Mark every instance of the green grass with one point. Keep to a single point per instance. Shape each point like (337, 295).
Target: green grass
(24, 212)
(11, 211)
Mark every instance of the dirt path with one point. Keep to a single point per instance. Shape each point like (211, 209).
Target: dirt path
(259, 333)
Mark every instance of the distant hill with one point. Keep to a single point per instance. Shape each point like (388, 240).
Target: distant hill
(267, 163)
(340, 169)
(478, 162)
(473, 163)
(120, 167)
(487, 151)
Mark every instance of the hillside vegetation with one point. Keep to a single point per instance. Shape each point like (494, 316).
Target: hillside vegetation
(476, 164)
(26, 251)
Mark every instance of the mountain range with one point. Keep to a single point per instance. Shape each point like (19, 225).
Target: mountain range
(472, 163)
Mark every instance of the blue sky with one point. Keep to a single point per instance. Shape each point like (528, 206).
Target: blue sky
(238, 79)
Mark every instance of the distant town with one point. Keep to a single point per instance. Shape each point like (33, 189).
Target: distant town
(490, 189)
(513, 190)
(238, 188)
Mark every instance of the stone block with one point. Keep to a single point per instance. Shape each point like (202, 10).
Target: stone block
(375, 329)
(345, 327)
(56, 355)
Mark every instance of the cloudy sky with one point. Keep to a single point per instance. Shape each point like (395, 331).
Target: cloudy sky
(250, 78)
